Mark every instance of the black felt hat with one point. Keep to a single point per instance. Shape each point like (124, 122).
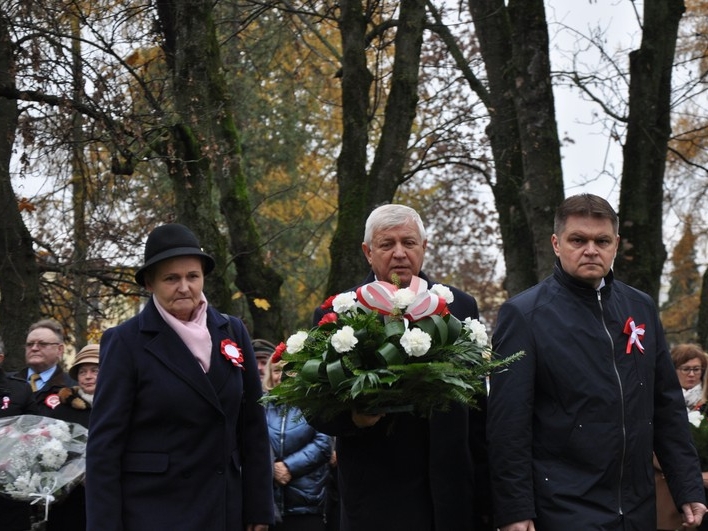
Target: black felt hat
(168, 241)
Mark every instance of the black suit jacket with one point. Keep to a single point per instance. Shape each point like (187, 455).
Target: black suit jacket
(46, 398)
(15, 396)
(412, 473)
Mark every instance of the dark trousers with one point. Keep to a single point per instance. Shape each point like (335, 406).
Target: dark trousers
(300, 522)
(14, 515)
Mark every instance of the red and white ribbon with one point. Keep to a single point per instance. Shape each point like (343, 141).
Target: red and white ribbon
(424, 305)
(232, 352)
(379, 296)
(635, 333)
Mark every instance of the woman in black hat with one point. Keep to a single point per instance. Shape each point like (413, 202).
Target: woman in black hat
(178, 439)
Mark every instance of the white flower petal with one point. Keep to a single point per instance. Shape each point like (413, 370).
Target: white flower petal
(477, 331)
(695, 418)
(344, 340)
(295, 342)
(443, 292)
(416, 342)
(344, 302)
(402, 298)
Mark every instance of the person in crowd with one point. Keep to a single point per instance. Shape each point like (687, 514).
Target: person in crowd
(16, 398)
(178, 438)
(264, 350)
(15, 393)
(75, 406)
(75, 402)
(44, 351)
(300, 462)
(690, 362)
(573, 422)
(397, 470)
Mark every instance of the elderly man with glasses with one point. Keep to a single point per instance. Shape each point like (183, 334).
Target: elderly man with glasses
(44, 350)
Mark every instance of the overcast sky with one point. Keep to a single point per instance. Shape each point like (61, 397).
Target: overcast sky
(593, 163)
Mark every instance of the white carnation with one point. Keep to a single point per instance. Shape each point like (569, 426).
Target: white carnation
(295, 342)
(53, 454)
(478, 332)
(343, 340)
(443, 292)
(415, 342)
(344, 302)
(403, 298)
(695, 418)
(23, 483)
(60, 431)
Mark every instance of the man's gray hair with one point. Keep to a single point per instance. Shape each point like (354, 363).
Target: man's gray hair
(52, 325)
(389, 216)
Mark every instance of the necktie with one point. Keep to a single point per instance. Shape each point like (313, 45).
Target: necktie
(33, 381)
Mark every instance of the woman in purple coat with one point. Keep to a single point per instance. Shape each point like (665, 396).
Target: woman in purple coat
(178, 439)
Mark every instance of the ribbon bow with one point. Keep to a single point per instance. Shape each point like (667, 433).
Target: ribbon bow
(635, 333)
(46, 496)
(379, 296)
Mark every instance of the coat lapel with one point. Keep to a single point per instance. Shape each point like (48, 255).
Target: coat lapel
(220, 367)
(171, 351)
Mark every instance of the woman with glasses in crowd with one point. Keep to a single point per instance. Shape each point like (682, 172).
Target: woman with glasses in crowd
(690, 361)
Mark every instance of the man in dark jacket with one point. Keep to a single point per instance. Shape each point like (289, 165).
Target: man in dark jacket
(15, 399)
(572, 424)
(44, 351)
(15, 394)
(399, 471)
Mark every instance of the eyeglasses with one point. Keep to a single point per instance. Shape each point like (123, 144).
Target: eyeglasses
(40, 344)
(688, 370)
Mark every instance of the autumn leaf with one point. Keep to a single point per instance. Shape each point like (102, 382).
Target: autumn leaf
(263, 304)
(25, 205)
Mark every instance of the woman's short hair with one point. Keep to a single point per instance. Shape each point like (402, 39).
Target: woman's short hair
(685, 352)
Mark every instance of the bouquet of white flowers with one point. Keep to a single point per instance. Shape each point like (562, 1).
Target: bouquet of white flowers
(40, 458)
(382, 349)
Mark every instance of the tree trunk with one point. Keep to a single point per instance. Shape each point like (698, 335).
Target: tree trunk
(208, 156)
(19, 274)
(642, 254)
(347, 261)
(702, 326)
(79, 174)
(493, 31)
(542, 188)
(361, 191)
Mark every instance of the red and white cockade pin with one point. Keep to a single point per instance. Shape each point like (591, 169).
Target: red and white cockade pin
(232, 352)
(635, 333)
(52, 401)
